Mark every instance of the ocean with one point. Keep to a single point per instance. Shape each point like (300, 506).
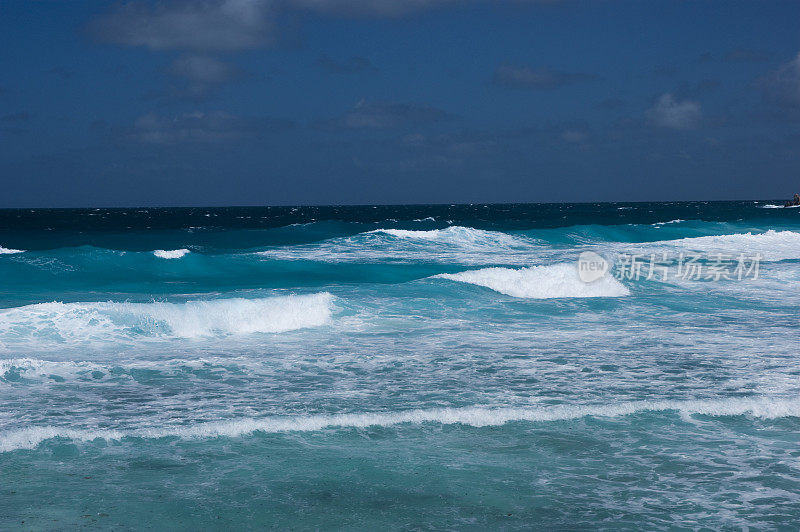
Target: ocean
(401, 367)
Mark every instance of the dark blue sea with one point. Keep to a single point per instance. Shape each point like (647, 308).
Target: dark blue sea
(401, 367)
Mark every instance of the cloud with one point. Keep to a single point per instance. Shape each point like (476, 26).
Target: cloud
(782, 86)
(354, 65)
(382, 115)
(743, 55)
(203, 69)
(522, 77)
(203, 73)
(386, 8)
(374, 8)
(199, 25)
(199, 128)
(671, 113)
(227, 25)
(460, 143)
(573, 136)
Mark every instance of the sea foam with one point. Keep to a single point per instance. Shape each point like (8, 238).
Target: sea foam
(35, 369)
(464, 245)
(758, 407)
(540, 282)
(771, 245)
(455, 235)
(170, 253)
(675, 221)
(113, 320)
(8, 251)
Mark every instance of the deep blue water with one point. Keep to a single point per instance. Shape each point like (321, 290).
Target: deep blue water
(394, 367)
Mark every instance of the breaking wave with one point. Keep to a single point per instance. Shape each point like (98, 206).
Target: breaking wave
(453, 244)
(71, 322)
(758, 407)
(455, 235)
(771, 245)
(540, 282)
(675, 221)
(8, 251)
(170, 253)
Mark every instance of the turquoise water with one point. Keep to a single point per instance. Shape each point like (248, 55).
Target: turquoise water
(437, 367)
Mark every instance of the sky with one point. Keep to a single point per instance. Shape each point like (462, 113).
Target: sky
(300, 102)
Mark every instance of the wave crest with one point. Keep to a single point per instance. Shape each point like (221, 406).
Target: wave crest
(8, 251)
(540, 282)
(455, 235)
(771, 245)
(464, 245)
(71, 322)
(759, 407)
(170, 253)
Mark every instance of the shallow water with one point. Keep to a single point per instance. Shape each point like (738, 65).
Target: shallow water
(397, 367)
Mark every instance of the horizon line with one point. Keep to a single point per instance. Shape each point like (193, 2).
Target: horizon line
(306, 205)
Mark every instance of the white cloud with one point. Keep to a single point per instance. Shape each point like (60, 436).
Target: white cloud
(385, 8)
(226, 25)
(209, 25)
(194, 127)
(573, 136)
(671, 113)
(203, 128)
(202, 73)
(202, 69)
(378, 8)
(782, 86)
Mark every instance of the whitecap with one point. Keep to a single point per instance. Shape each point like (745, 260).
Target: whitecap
(8, 251)
(454, 235)
(540, 282)
(757, 407)
(453, 244)
(115, 321)
(170, 253)
(770, 245)
(675, 221)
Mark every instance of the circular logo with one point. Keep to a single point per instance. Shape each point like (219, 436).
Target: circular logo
(591, 266)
